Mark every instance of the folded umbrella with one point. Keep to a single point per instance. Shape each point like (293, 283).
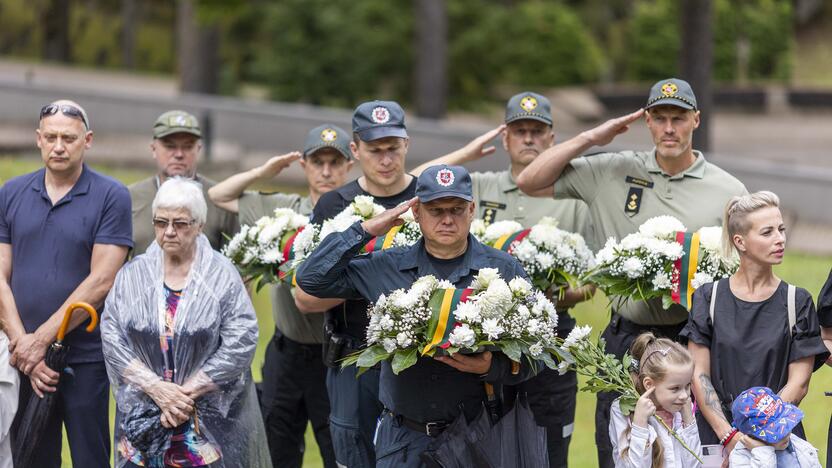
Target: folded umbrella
(38, 409)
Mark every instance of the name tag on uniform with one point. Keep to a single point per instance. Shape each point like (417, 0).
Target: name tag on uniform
(633, 202)
(491, 204)
(638, 181)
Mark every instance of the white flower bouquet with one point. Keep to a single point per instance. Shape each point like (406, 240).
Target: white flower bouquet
(552, 257)
(713, 264)
(432, 318)
(362, 208)
(643, 265)
(604, 372)
(261, 249)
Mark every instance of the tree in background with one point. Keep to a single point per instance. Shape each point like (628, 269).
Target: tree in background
(431, 58)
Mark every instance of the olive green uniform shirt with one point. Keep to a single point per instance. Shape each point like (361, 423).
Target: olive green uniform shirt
(498, 199)
(297, 326)
(623, 190)
(142, 193)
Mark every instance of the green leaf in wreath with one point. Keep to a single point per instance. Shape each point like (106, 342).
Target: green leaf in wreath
(512, 349)
(667, 301)
(547, 359)
(404, 359)
(371, 356)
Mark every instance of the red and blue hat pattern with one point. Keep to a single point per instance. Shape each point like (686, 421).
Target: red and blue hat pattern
(759, 412)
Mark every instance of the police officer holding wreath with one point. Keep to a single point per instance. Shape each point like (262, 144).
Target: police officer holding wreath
(624, 189)
(422, 400)
(527, 132)
(294, 376)
(175, 147)
(379, 145)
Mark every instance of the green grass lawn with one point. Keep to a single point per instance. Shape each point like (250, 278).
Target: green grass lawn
(805, 271)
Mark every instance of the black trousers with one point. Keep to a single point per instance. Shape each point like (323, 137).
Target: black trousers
(293, 394)
(552, 399)
(83, 403)
(619, 336)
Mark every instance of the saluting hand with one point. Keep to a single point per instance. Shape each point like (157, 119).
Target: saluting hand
(606, 132)
(477, 148)
(379, 225)
(276, 164)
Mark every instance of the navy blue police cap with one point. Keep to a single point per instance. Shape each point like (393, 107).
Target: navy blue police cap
(374, 120)
(442, 181)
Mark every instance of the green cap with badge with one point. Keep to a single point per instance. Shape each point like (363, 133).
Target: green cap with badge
(327, 136)
(528, 105)
(176, 121)
(672, 92)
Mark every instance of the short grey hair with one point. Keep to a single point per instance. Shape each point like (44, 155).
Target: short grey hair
(179, 192)
(735, 219)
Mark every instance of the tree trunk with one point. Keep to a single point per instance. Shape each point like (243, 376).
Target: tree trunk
(129, 21)
(55, 21)
(696, 63)
(197, 51)
(431, 58)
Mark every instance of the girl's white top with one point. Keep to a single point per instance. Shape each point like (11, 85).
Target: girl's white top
(640, 441)
(766, 457)
(9, 385)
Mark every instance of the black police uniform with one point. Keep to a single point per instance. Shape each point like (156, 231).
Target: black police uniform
(430, 394)
(354, 405)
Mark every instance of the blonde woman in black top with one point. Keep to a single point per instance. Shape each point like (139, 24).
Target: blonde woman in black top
(752, 329)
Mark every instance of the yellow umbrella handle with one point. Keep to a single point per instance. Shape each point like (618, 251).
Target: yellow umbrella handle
(68, 313)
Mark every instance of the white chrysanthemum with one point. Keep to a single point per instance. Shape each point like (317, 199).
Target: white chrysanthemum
(661, 226)
(635, 241)
(389, 344)
(386, 323)
(520, 286)
(496, 300)
(662, 281)
(700, 278)
(545, 259)
(403, 340)
(484, 278)
(524, 251)
(272, 256)
(710, 238)
(492, 328)
(362, 205)
(536, 350)
(576, 336)
(499, 229)
(633, 267)
(523, 312)
(468, 312)
(548, 221)
(563, 366)
(607, 255)
(478, 228)
(408, 217)
(462, 337)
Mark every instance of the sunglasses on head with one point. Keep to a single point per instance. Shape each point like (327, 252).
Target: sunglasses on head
(65, 109)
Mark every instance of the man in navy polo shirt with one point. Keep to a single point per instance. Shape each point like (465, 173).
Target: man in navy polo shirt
(65, 231)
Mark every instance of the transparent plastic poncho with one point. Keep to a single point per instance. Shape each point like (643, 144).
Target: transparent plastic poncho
(215, 335)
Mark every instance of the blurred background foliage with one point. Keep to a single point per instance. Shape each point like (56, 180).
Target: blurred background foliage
(337, 53)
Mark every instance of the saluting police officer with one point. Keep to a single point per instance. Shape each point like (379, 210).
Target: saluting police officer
(379, 145)
(294, 376)
(425, 398)
(624, 189)
(527, 132)
(175, 148)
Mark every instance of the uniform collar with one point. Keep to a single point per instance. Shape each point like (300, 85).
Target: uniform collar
(506, 182)
(475, 258)
(696, 170)
(81, 187)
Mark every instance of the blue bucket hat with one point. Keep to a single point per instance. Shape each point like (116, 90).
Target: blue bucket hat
(762, 414)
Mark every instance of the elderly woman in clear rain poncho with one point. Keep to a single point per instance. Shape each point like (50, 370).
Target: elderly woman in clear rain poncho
(179, 333)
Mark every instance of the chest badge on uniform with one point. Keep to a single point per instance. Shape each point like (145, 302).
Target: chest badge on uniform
(633, 202)
(445, 177)
(488, 215)
(528, 103)
(328, 135)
